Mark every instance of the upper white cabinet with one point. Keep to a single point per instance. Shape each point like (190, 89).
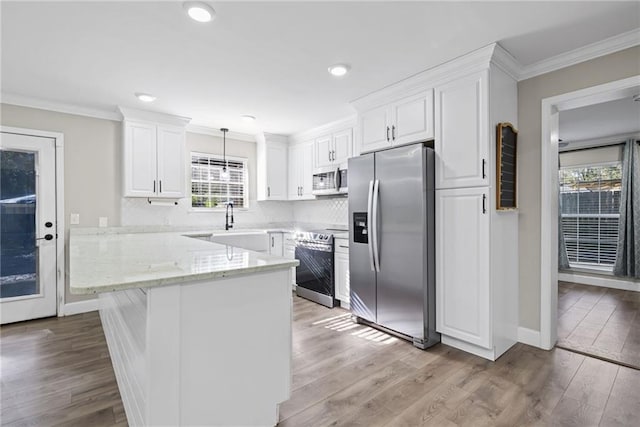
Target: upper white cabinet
(402, 121)
(334, 149)
(462, 141)
(153, 154)
(154, 157)
(271, 152)
(301, 171)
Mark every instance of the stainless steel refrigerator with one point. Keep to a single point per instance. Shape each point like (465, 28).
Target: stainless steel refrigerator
(392, 241)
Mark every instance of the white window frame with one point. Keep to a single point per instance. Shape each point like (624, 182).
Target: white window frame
(245, 163)
(587, 265)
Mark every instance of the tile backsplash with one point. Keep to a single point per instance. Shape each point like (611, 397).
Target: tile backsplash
(137, 212)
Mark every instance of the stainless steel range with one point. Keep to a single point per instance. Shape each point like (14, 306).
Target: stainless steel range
(314, 275)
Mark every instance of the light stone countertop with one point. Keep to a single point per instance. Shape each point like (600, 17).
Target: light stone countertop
(116, 261)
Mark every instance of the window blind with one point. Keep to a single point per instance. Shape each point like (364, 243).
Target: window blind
(209, 189)
(590, 203)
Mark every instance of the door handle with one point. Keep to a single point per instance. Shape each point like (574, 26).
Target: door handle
(370, 240)
(374, 224)
(387, 133)
(393, 132)
(46, 237)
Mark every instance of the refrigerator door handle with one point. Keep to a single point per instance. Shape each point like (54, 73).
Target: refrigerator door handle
(374, 225)
(370, 239)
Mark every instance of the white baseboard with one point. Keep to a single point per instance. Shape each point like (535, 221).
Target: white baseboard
(604, 281)
(79, 307)
(529, 336)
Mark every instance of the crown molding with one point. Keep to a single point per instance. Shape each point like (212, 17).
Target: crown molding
(205, 130)
(582, 54)
(336, 125)
(152, 116)
(60, 107)
(506, 62)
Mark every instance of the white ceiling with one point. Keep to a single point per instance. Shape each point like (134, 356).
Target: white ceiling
(611, 118)
(270, 59)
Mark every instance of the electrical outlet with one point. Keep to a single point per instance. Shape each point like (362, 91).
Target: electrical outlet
(103, 221)
(74, 219)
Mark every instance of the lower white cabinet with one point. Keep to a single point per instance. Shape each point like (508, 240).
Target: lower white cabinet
(276, 242)
(476, 272)
(341, 271)
(290, 253)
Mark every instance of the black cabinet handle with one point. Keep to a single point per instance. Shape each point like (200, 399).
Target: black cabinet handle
(393, 132)
(268, 191)
(154, 185)
(484, 203)
(387, 133)
(161, 186)
(484, 164)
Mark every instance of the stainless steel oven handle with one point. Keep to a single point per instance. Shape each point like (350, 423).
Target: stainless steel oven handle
(374, 225)
(370, 239)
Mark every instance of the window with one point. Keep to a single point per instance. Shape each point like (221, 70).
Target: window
(590, 202)
(210, 190)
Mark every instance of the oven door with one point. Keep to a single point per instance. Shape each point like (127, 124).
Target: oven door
(315, 271)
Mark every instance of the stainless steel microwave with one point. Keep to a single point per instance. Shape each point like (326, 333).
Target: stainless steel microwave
(329, 180)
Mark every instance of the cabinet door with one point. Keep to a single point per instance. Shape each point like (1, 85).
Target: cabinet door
(374, 129)
(323, 151)
(342, 146)
(462, 139)
(342, 276)
(171, 155)
(276, 171)
(463, 307)
(412, 118)
(139, 160)
(295, 160)
(276, 244)
(306, 170)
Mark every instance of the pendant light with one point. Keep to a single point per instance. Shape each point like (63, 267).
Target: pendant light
(225, 172)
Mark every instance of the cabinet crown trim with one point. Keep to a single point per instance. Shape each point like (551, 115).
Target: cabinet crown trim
(152, 116)
(480, 59)
(327, 128)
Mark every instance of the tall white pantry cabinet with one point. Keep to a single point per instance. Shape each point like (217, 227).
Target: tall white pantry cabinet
(476, 245)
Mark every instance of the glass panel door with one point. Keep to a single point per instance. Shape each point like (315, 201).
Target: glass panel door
(28, 231)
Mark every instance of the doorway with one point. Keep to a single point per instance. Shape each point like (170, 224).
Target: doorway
(551, 108)
(29, 226)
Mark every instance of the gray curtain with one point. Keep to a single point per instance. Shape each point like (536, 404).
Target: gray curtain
(563, 260)
(628, 253)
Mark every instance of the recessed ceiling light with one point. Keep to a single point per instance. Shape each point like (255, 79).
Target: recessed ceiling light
(248, 118)
(339, 70)
(145, 97)
(199, 11)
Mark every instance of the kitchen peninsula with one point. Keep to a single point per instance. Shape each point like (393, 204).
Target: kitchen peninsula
(199, 333)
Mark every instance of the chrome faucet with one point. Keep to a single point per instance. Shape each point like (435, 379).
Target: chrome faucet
(228, 224)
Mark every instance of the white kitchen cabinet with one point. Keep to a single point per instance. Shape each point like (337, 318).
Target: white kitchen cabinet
(476, 272)
(301, 171)
(290, 253)
(334, 149)
(462, 270)
(276, 244)
(462, 138)
(154, 157)
(403, 121)
(271, 153)
(341, 271)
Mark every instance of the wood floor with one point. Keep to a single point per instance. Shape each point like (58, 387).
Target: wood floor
(58, 372)
(600, 321)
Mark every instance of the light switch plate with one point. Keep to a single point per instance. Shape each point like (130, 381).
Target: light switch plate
(103, 221)
(74, 219)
